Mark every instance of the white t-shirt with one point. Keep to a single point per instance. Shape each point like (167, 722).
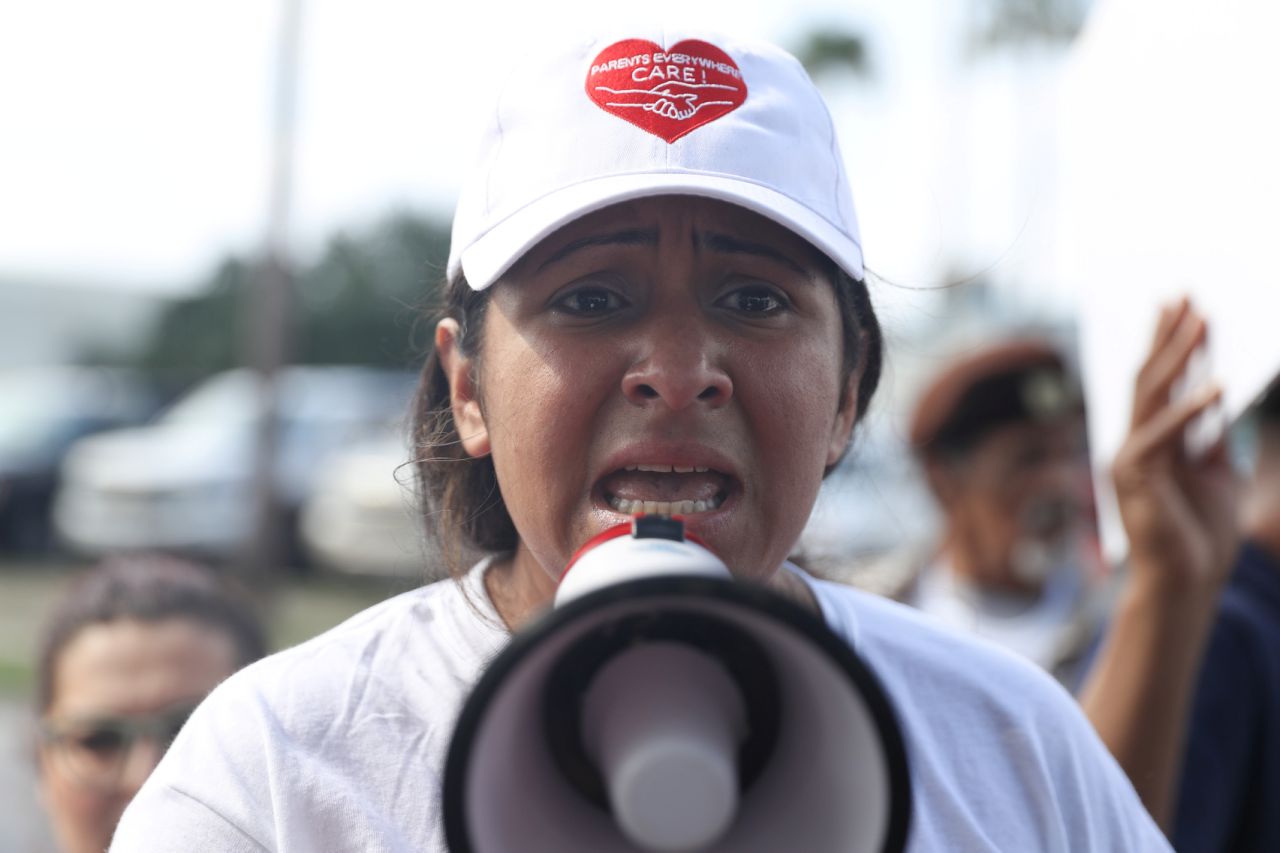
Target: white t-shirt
(338, 744)
(1054, 629)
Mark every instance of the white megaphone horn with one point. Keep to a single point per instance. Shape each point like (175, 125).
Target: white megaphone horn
(663, 706)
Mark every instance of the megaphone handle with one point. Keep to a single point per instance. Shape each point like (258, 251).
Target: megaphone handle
(663, 722)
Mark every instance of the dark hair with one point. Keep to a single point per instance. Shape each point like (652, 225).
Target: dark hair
(1015, 380)
(1267, 408)
(146, 588)
(464, 510)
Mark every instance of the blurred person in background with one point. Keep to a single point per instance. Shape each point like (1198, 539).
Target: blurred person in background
(129, 650)
(1230, 792)
(1000, 437)
(1178, 504)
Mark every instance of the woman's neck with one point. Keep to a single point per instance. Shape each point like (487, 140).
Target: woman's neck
(519, 588)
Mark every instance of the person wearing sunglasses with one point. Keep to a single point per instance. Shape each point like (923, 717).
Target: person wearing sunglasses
(131, 648)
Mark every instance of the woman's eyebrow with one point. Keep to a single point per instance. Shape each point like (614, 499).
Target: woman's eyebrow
(630, 237)
(717, 242)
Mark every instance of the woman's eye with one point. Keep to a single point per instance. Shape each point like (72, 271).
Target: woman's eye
(101, 741)
(756, 301)
(590, 301)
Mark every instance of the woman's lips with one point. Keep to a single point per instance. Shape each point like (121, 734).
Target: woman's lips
(662, 489)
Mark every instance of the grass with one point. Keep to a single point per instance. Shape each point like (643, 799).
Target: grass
(15, 679)
(305, 608)
(27, 592)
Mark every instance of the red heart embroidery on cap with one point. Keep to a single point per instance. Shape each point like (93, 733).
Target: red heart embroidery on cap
(666, 92)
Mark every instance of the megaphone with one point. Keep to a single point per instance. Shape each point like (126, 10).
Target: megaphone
(663, 706)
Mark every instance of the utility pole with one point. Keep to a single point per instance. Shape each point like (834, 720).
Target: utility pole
(269, 309)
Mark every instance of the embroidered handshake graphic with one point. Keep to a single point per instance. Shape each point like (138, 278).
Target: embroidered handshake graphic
(679, 101)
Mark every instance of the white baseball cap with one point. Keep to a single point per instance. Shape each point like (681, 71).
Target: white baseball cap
(662, 112)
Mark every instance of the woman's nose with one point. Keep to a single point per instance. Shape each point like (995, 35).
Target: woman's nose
(679, 368)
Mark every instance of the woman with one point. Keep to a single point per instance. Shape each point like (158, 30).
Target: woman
(655, 303)
(129, 651)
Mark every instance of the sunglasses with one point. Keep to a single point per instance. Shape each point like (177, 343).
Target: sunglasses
(94, 751)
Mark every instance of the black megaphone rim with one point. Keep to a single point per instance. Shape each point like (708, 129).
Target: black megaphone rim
(751, 596)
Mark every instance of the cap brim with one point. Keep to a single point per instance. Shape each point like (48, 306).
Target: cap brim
(486, 259)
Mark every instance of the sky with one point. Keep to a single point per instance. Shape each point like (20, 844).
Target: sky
(135, 135)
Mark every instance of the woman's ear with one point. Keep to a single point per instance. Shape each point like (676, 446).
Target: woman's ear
(846, 417)
(459, 370)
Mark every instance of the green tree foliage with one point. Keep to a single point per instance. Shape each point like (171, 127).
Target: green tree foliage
(360, 302)
(833, 51)
(201, 334)
(1003, 23)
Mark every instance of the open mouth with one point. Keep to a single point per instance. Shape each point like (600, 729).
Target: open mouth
(666, 489)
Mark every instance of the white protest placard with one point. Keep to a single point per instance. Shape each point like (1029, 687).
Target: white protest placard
(1171, 185)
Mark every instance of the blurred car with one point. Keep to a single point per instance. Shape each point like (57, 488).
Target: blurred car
(363, 516)
(186, 482)
(43, 411)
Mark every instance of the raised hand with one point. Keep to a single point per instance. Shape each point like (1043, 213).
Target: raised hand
(1179, 509)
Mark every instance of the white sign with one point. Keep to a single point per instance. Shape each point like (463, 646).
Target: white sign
(1171, 185)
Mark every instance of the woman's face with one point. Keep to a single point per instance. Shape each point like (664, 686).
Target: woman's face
(676, 355)
(116, 677)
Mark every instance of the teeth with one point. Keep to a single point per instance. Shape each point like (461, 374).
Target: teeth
(668, 469)
(630, 507)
